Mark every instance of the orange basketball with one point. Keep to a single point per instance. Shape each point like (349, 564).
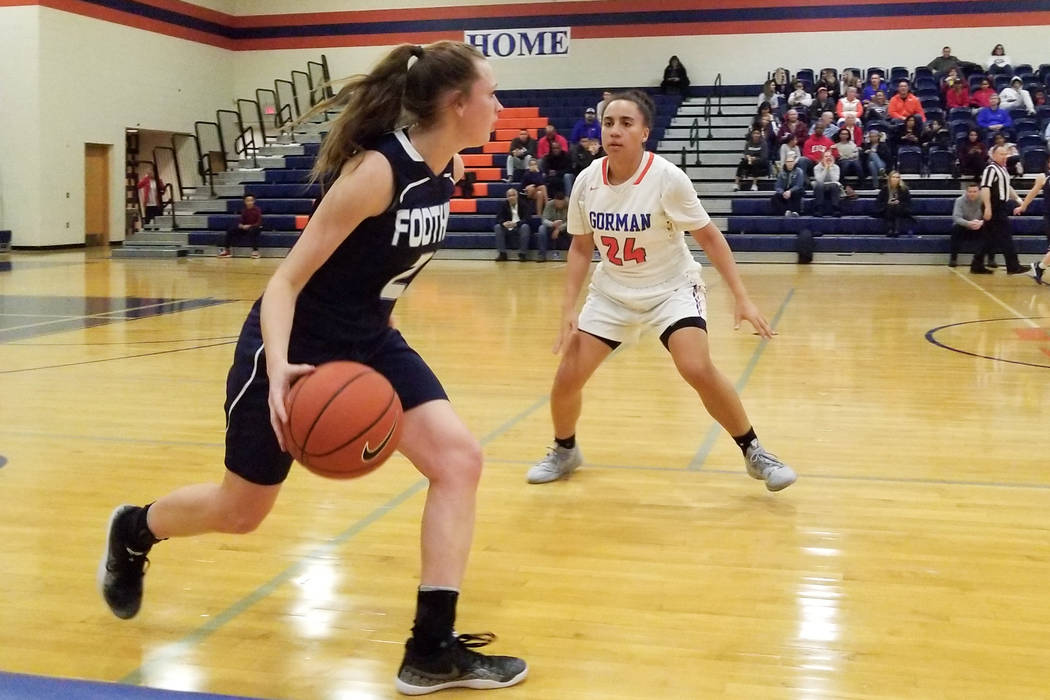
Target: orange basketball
(344, 420)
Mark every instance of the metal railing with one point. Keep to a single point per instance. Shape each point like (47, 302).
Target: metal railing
(204, 157)
(296, 91)
(244, 142)
(293, 112)
(258, 117)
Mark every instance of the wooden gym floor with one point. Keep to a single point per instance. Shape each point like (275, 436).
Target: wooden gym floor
(910, 560)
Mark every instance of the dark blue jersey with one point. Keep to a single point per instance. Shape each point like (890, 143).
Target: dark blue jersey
(1046, 196)
(350, 297)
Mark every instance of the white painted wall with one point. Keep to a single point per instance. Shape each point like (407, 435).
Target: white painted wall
(20, 176)
(98, 78)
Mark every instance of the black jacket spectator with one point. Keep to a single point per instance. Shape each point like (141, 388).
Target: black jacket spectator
(676, 80)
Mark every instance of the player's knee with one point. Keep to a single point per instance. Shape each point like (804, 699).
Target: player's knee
(457, 463)
(699, 372)
(242, 517)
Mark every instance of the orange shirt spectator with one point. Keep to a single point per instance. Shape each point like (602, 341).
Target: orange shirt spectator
(904, 104)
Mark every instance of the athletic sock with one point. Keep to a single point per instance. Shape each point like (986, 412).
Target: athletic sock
(1041, 265)
(568, 443)
(435, 618)
(744, 441)
(138, 533)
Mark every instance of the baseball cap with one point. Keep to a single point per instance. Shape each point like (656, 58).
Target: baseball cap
(590, 110)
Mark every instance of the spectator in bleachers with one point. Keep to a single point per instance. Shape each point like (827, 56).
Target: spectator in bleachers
(584, 153)
(905, 104)
(994, 117)
(957, 95)
(876, 156)
(875, 83)
(767, 124)
(556, 167)
(998, 59)
(1013, 161)
(944, 62)
(1015, 96)
(830, 82)
(967, 220)
(878, 109)
(813, 151)
(587, 126)
(676, 80)
(973, 155)
(791, 184)
(981, 97)
(770, 96)
(849, 104)
(522, 147)
(799, 97)
(893, 204)
(513, 217)
(852, 125)
(827, 186)
(600, 109)
(781, 81)
(950, 79)
(250, 223)
(766, 115)
(534, 185)
(1038, 97)
(792, 126)
(552, 224)
(826, 124)
(910, 134)
(847, 155)
(550, 136)
(754, 162)
(850, 79)
(823, 102)
(934, 135)
(791, 149)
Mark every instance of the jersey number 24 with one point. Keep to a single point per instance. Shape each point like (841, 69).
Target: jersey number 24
(612, 251)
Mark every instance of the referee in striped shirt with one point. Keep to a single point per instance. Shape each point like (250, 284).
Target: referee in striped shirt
(999, 201)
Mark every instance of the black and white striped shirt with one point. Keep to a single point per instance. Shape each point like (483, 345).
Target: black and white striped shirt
(997, 181)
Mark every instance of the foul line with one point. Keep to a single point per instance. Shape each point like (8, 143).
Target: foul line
(996, 299)
(712, 434)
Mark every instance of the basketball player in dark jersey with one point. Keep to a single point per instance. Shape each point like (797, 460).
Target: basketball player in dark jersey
(1042, 183)
(378, 224)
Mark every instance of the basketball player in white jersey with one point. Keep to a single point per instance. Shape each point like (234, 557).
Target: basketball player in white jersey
(634, 205)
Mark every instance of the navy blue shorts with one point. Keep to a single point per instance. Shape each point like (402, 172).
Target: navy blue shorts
(252, 451)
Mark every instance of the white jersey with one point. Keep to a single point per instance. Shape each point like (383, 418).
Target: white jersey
(638, 226)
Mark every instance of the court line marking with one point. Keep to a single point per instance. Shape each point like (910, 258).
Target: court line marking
(102, 314)
(697, 463)
(114, 359)
(996, 299)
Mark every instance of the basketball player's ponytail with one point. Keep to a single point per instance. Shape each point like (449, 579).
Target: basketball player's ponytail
(405, 87)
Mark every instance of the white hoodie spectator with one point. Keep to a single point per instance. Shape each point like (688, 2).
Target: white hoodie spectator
(799, 97)
(1013, 95)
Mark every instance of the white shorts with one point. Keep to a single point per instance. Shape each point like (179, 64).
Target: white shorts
(622, 319)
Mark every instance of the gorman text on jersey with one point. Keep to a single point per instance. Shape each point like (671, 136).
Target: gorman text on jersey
(615, 221)
(423, 226)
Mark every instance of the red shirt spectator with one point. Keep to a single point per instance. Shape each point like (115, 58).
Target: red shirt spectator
(979, 97)
(958, 95)
(251, 216)
(815, 147)
(544, 144)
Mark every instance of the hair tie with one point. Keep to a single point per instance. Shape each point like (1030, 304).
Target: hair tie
(417, 51)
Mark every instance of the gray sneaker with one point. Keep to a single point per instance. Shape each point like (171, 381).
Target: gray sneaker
(1037, 273)
(558, 464)
(766, 467)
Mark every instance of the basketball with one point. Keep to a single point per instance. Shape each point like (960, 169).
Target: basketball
(344, 420)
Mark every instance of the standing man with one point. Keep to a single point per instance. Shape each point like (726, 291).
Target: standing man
(999, 200)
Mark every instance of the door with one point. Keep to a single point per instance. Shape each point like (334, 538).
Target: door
(96, 194)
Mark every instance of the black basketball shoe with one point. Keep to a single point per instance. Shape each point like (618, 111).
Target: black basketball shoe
(456, 665)
(122, 567)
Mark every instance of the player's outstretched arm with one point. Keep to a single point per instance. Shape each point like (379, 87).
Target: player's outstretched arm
(578, 261)
(721, 256)
(1040, 180)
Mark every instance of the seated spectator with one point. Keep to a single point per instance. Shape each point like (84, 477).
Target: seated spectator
(823, 102)
(600, 109)
(813, 151)
(876, 156)
(767, 117)
(250, 223)
(587, 126)
(555, 214)
(799, 97)
(781, 82)
(584, 153)
(875, 83)
(790, 149)
(973, 155)
(827, 124)
(847, 154)
(998, 59)
(967, 220)
(948, 80)
(944, 62)
(830, 82)
(1038, 97)
(850, 104)
(852, 125)
(935, 135)
(878, 109)
(957, 94)
(769, 96)
(894, 204)
(791, 184)
(850, 78)
(534, 185)
(792, 125)
(522, 147)
(827, 188)
(994, 117)
(1013, 161)
(904, 104)
(551, 136)
(981, 97)
(754, 162)
(513, 217)
(556, 167)
(1015, 96)
(676, 80)
(910, 134)
(768, 126)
